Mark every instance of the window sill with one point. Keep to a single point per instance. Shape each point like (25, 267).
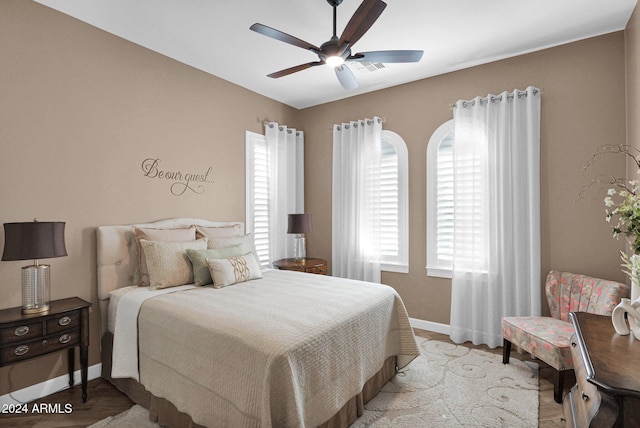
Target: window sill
(388, 267)
(439, 272)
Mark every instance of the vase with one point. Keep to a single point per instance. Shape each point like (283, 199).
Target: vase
(629, 324)
(626, 315)
(635, 277)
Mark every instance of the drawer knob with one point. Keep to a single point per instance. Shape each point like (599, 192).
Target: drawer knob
(21, 350)
(585, 397)
(45, 343)
(64, 321)
(65, 338)
(21, 331)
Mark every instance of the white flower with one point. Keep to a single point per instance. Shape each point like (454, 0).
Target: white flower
(608, 201)
(611, 192)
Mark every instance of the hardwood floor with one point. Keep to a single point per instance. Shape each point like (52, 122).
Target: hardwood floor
(105, 400)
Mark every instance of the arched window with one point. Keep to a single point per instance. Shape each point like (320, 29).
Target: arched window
(394, 189)
(440, 204)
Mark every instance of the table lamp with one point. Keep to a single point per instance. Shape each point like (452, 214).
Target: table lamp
(32, 241)
(299, 224)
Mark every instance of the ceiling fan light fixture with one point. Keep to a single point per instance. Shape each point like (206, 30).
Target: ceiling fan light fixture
(334, 61)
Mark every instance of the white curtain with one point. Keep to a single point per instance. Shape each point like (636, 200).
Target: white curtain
(356, 200)
(285, 148)
(496, 256)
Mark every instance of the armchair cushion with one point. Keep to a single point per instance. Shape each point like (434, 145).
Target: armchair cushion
(545, 337)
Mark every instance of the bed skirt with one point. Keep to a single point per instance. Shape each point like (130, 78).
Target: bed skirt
(166, 414)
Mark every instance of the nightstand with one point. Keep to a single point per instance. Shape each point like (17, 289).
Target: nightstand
(64, 326)
(309, 265)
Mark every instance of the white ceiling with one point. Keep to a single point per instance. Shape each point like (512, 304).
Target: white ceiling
(214, 36)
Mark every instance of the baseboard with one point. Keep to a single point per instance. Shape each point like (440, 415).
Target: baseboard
(48, 387)
(429, 326)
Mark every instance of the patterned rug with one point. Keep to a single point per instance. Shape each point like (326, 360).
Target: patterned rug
(447, 386)
(453, 386)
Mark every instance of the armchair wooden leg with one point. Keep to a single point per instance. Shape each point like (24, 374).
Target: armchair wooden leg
(506, 351)
(558, 385)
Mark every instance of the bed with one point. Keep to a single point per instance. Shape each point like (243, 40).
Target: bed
(285, 349)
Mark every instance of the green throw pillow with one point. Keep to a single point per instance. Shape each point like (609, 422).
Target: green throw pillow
(201, 274)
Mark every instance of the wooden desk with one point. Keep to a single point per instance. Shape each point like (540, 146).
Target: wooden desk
(64, 326)
(607, 367)
(309, 265)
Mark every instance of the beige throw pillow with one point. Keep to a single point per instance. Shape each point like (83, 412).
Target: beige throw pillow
(218, 231)
(151, 234)
(168, 262)
(233, 270)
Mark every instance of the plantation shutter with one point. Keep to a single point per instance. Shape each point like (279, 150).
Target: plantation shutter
(389, 201)
(261, 200)
(444, 200)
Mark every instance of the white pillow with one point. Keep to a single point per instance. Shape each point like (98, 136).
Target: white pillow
(168, 262)
(234, 270)
(223, 242)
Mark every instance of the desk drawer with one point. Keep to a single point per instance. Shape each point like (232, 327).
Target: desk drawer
(585, 394)
(24, 351)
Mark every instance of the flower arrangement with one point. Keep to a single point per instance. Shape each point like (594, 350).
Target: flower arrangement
(622, 206)
(626, 207)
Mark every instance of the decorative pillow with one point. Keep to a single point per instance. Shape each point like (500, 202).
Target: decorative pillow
(168, 263)
(218, 231)
(201, 274)
(234, 270)
(246, 241)
(150, 234)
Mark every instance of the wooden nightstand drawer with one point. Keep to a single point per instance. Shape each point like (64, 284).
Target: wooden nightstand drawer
(24, 351)
(20, 332)
(63, 322)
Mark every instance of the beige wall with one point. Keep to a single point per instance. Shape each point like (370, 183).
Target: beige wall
(632, 50)
(583, 106)
(80, 110)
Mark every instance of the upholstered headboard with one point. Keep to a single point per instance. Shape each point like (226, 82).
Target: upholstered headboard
(117, 253)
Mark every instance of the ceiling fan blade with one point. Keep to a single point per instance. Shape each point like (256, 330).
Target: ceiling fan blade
(361, 21)
(283, 37)
(387, 56)
(292, 70)
(346, 77)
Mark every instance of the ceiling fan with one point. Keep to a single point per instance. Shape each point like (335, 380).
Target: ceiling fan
(337, 51)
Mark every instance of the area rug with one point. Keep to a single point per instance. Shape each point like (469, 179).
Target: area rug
(446, 386)
(453, 386)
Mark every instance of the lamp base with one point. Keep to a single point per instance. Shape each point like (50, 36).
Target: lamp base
(39, 310)
(299, 248)
(35, 289)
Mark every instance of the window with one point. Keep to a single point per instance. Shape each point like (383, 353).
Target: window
(257, 193)
(394, 204)
(440, 181)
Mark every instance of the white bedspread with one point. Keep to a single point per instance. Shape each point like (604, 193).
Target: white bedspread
(286, 350)
(123, 315)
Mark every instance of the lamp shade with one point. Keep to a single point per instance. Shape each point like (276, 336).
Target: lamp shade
(33, 240)
(299, 223)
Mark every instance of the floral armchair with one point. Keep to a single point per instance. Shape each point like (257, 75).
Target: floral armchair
(548, 338)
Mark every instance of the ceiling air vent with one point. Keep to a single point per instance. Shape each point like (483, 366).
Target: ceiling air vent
(366, 67)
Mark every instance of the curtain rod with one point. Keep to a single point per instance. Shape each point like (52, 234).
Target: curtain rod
(494, 98)
(382, 119)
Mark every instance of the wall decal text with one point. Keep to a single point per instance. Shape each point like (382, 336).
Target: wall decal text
(181, 181)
